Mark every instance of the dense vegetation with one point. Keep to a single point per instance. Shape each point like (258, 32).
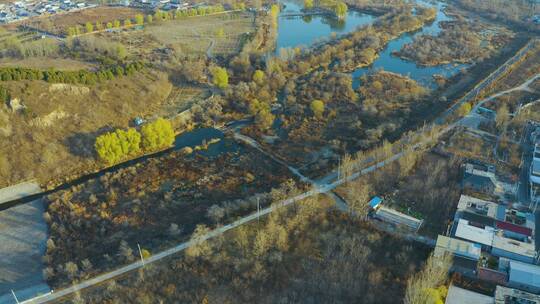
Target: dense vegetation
(73, 77)
(308, 253)
(156, 204)
(458, 42)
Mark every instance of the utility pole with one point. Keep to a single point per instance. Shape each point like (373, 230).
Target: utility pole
(13, 293)
(258, 210)
(140, 253)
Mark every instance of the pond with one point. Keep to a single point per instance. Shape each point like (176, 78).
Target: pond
(297, 31)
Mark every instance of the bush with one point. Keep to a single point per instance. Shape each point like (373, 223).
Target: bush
(158, 134)
(317, 106)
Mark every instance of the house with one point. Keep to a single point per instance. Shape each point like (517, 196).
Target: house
(465, 254)
(513, 249)
(524, 276)
(397, 218)
(505, 295)
(481, 207)
(457, 295)
(482, 178)
(475, 233)
(513, 231)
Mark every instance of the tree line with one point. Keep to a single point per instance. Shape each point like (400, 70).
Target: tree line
(73, 77)
(115, 146)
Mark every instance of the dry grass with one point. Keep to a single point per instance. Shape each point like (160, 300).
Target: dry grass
(60, 22)
(192, 35)
(47, 63)
(54, 136)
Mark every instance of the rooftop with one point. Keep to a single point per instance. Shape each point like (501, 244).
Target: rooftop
(475, 234)
(478, 206)
(457, 295)
(513, 246)
(525, 274)
(505, 295)
(514, 228)
(457, 247)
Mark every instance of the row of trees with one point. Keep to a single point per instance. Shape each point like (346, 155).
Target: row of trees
(115, 146)
(73, 77)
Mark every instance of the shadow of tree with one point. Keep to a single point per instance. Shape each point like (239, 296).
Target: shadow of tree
(82, 143)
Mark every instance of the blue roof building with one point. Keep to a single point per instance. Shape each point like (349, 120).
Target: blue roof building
(375, 202)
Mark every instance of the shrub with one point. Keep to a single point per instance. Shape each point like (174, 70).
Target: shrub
(317, 106)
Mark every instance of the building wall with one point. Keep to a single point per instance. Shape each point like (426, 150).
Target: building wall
(511, 255)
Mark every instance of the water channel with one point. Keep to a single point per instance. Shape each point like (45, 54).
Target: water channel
(304, 31)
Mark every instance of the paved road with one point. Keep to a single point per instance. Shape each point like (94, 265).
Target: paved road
(472, 94)
(19, 191)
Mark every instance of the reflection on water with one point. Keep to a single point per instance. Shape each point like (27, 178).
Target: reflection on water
(304, 31)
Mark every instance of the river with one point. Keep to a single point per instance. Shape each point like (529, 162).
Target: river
(299, 32)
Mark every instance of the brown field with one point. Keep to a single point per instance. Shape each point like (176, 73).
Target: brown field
(60, 22)
(192, 35)
(47, 63)
(54, 135)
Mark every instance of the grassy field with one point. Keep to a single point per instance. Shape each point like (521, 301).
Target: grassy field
(220, 34)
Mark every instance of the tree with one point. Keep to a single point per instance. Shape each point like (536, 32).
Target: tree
(139, 19)
(127, 23)
(220, 33)
(220, 77)
(99, 25)
(341, 9)
(108, 148)
(422, 287)
(149, 19)
(464, 109)
(258, 77)
(308, 4)
(274, 13)
(89, 27)
(116, 23)
(109, 25)
(4, 95)
(158, 134)
(503, 116)
(317, 106)
(130, 141)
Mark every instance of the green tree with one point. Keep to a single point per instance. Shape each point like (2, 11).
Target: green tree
(308, 4)
(109, 25)
(116, 23)
(130, 141)
(4, 95)
(220, 77)
(108, 148)
(99, 25)
(317, 106)
(258, 77)
(127, 23)
(464, 109)
(341, 9)
(139, 19)
(89, 27)
(149, 19)
(158, 134)
(220, 33)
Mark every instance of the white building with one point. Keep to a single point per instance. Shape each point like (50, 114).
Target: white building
(457, 295)
(475, 234)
